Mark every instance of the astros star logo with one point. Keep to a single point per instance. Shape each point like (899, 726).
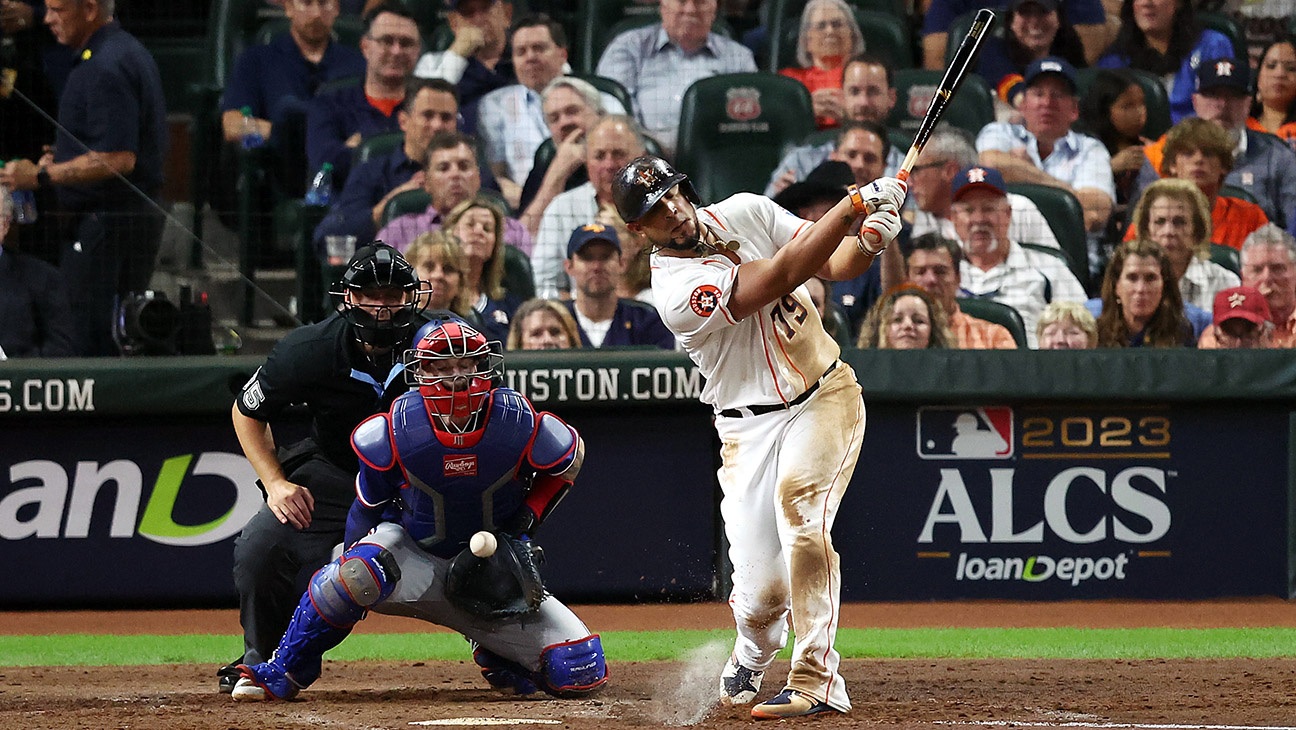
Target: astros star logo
(976, 175)
(1224, 68)
(1236, 299)
(648, 177)
(594, 227)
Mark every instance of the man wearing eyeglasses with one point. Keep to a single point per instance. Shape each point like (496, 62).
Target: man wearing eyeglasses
(340, 119)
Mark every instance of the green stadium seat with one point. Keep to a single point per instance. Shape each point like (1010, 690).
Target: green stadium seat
(612, 87)
(1233, 191)
(377, 146)
(971, 108)
(1065, 216)
(1227, 256)
(1231, 28)
(998, 313)
(410, 201)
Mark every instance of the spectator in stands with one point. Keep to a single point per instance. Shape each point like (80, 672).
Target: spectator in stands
(479, 223)
(933, 264)
(33, 306)
(543, 324)
(571, 107)
(1273, 109)
(1242, 320)
(818, 289)
(23, 129)
(1087, 17)
(868, 95)
(1044, 149)
(439, 260)
(612, 142)
(603, 319)
(451, 176)
(1067, 326)
(477, 61)
(931, 192)
(1269, 266)
(657, 63)
(1033, 30)
(1139, 306)
(994, 266)
(829, 36)
(1175, 215)
(1201, 152)
(1114, 111)
(636, 272)
(430, 106)
(276, 80)
(106, 166)
(906, 318)
(1164, 38)
(338, 120)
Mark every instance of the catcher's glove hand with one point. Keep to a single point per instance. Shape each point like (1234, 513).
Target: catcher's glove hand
(504, 585)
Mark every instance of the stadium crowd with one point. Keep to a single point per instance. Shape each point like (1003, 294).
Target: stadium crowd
(1116, 174)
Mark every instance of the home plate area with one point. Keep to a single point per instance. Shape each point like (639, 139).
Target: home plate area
(943, 694)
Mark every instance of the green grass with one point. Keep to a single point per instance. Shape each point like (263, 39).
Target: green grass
(626, 646)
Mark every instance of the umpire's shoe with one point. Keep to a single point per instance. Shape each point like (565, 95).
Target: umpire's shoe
(738, 683)
(228, 676)
(790, 703)
(264, 682)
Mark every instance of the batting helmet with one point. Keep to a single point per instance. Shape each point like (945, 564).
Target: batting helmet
(642, 182)
(379, 266)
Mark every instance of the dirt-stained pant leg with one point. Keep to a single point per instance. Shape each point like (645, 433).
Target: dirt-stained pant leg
(421, 594)
(817, 458)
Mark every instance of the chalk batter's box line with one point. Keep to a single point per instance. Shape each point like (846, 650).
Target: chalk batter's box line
(1106, 725)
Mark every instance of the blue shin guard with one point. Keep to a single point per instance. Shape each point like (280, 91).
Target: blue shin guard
(574, 669)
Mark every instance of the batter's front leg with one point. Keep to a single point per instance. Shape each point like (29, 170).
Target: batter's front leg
(817, 460)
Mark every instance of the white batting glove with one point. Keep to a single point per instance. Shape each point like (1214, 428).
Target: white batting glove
(879, 229)
(885, 190)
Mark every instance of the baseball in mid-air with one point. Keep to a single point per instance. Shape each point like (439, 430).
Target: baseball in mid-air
(483, 544)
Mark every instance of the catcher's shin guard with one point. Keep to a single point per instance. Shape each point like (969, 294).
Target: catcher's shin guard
(573, 669)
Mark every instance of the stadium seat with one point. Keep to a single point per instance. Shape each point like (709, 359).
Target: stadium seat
(734, 127)
(971, 108)
(1233, 191)
(885, 34)
(1061, 255)
(612, 87)
(1065, 216)
(376, 146)
(518, 278)
(545, 152)
(836, 319)
(1231, 28)
(410, 201)
(958, 30)
(1154, 97)
(1227, 256)
(998, 313)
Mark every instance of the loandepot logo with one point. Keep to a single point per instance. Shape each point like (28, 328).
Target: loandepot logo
(59, 504)
(1039, 568)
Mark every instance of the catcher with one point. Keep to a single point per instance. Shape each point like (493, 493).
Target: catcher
(455, 457)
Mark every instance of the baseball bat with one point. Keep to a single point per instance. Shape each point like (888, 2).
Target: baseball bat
(959, 67)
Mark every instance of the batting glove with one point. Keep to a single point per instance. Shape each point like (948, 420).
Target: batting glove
(885, 190)
(879, 229)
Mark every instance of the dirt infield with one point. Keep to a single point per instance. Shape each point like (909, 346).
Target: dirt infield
(887, 693)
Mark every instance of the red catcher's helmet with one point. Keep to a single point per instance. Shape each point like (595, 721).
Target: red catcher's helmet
(454, 392)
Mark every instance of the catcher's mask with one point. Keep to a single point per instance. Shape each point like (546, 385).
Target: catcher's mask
(454, 367)
(642, 182)
(376, 273)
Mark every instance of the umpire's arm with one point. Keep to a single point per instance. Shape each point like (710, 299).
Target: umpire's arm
(289, 502)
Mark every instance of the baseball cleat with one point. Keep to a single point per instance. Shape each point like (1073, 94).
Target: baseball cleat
(509, 682)
(790, 703)
(738, 683)
(228, 676)
(264, 682)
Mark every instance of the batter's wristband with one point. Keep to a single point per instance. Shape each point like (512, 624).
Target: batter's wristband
(857, 200)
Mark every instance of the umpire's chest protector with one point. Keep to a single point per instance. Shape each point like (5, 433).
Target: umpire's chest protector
(458, 484)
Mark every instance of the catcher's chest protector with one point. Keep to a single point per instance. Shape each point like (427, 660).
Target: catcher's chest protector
(461, 484)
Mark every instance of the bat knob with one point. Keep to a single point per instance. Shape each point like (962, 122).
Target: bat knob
(903, 176)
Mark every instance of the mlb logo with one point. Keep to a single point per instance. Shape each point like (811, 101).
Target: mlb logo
(965, 432)
(742, 104)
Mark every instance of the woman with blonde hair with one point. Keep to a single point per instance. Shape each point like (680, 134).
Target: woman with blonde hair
(829, 37)
(543, 324)
(478, 223)
(439, 260)
(1174, 214)
(906, 318)
(1067, 326)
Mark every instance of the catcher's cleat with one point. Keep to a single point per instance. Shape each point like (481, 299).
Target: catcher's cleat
(264, 682)
(503, 675)
(738, 683)
(790, 703)
(228, 676)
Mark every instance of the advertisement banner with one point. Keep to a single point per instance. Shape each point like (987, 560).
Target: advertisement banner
(1066, 501)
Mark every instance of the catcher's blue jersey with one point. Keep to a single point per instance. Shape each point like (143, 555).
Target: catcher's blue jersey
(450, 486)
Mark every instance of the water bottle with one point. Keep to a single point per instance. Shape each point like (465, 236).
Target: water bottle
(250, 132)
(24, 206)
(321, 188)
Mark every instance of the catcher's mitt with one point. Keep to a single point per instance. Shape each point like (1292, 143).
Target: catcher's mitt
(505, 585)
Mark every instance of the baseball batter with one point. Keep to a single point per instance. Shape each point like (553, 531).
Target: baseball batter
(728, 280)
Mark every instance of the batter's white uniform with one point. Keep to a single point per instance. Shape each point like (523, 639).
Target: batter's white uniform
(784, 471)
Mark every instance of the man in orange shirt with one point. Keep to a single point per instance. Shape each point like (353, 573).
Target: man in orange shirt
(1269, 266)
(933, 264)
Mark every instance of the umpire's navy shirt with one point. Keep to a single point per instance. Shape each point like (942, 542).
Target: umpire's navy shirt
(332, 118)
(112, 103)
(634, 323)
(266, 76)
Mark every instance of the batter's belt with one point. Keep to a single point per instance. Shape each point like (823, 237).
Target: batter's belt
(760, 410)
